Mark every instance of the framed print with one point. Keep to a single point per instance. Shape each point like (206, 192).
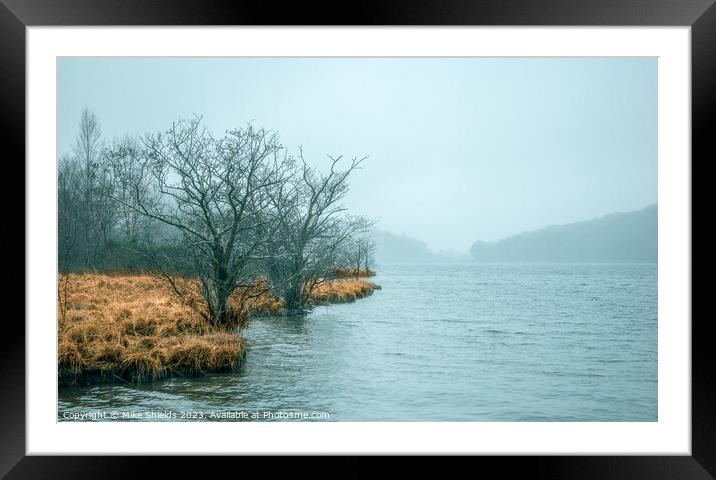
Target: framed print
(424, 229)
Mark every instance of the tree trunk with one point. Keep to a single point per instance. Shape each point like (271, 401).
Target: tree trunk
(217, 291)
(293, 296)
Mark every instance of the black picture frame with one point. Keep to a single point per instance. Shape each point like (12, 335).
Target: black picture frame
(15, 15)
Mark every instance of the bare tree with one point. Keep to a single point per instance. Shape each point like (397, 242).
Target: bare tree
(126, 182)
(369, 253)
(86, 210)
(309, 230)
(208, 190)
(224, 209)
(359, 253)
(69, 210)
(86, 151)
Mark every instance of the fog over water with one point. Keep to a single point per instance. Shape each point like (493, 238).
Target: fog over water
(460, 149)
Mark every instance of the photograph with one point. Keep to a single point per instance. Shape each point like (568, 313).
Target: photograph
(357, 239)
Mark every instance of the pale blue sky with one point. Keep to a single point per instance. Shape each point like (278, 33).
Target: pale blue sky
(461, 149)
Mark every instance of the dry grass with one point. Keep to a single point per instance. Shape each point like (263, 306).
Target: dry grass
(352, 273)
(135, 328)
(257, 300)
(341, 291)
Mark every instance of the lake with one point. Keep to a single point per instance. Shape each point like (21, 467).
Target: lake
(449, 342)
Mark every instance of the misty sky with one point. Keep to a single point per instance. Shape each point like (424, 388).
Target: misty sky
(461, 149)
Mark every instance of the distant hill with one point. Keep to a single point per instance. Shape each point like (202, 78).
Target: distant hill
(619, 237)
(392, 248)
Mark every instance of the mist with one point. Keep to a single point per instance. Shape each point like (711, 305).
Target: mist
(459, 149)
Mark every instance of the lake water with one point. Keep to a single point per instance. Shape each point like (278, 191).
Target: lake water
(474, 342)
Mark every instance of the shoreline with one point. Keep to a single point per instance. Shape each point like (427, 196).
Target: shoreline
(131, 328)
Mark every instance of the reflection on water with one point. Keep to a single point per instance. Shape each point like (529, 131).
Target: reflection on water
(495, 342)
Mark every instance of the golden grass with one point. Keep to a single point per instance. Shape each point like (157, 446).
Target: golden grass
(135, 328)
(340, 291)
(352, 273)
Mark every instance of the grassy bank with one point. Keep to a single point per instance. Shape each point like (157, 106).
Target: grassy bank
(131, 328)
(352, 273)
(342, 291)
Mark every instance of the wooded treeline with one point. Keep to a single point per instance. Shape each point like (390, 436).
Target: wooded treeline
(227, 209)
